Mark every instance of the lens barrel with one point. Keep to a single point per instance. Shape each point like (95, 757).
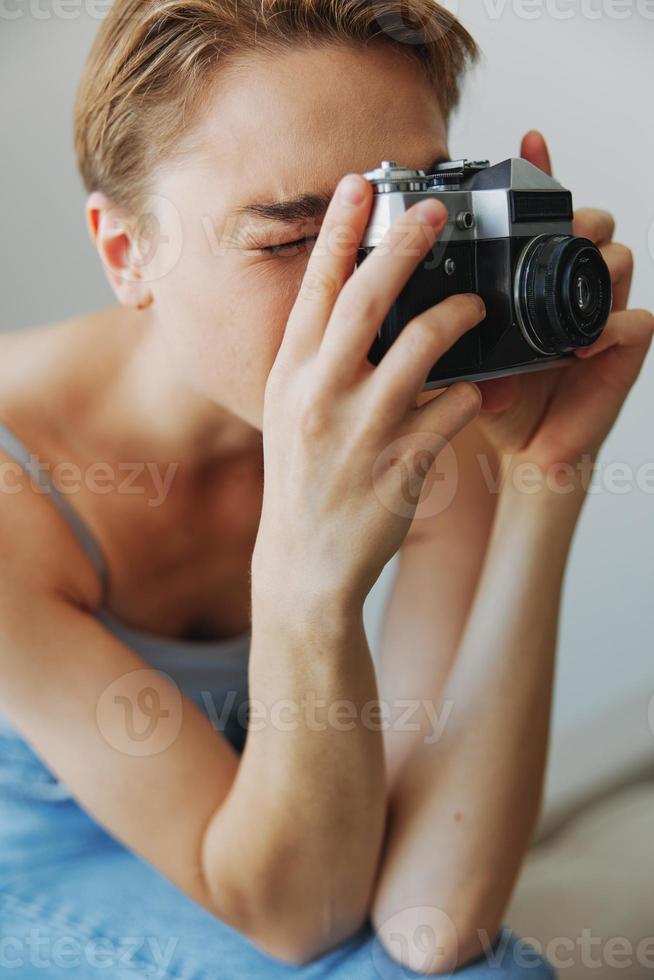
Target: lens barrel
(563, 293)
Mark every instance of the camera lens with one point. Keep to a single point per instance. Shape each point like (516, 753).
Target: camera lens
(585, 296)
(562, 293)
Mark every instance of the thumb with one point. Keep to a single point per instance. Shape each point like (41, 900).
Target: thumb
(534, 150)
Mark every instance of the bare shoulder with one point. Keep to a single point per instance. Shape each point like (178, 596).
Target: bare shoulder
(46, 373)
(46, 360)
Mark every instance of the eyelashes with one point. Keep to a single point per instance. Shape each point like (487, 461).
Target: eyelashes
(298, 247)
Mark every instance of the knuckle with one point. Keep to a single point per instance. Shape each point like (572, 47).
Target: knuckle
(274, 382)
(624, 255)
(647, 319)
(468, 396)
(448, 319)
(319, 286)
(314, 418)
(408, 238)
(357, 306)
(594, 223)
(422, 335)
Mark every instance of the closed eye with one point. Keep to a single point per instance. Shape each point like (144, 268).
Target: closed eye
(297, 247)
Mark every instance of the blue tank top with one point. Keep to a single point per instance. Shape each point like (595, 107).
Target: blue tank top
(213, 673)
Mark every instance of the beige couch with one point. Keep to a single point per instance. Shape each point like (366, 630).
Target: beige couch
(586, 892)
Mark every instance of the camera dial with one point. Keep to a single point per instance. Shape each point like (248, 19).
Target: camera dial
(388, 177)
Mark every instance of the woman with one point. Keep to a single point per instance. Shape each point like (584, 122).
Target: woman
(173, 581)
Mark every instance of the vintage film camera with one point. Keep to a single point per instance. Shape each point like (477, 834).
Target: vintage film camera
(508, 238)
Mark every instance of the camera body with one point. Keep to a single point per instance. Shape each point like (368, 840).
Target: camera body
(508, 238)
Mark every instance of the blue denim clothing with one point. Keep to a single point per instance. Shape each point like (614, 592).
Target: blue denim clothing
(75, 903)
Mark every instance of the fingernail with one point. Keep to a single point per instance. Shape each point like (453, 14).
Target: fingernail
(479, 303)
(429, 212)
(351, 190)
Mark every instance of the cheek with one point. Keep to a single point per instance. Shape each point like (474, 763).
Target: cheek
(224, 321)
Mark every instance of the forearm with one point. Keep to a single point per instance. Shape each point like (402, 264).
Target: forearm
(295, 846)
(471, 799)
(438, 570)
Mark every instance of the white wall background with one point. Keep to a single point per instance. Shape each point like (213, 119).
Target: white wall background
(585, 80)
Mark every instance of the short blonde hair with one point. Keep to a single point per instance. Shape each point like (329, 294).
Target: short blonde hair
(153, 60)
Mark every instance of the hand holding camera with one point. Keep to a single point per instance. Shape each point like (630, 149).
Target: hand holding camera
(557, 417)
(334, 510)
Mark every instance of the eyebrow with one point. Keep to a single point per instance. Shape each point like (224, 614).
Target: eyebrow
(307, 206)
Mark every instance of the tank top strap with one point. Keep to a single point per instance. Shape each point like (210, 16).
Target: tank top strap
(14, 447)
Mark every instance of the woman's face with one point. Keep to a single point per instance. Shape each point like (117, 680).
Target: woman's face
(280, 128)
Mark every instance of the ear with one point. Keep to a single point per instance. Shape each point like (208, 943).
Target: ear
(109, 229)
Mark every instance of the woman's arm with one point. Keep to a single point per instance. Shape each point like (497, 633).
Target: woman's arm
(464, 807)
(304, 820)
(282, 844)
(438, 569)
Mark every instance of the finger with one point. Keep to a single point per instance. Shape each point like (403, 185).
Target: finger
(400, 375)
(620, 261)
(596, 225)
(534, 150)
(627, 328)
(366, 298)
(448, 414)
(330, 264)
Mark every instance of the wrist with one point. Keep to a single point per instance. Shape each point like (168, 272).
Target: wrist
(557, 487)
(539, 519)
(308, 609)
(288, 586)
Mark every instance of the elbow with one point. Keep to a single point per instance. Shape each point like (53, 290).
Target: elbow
(286, 905)
(294, 942)
(430, 940)
(284, 927)
(292, 947)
